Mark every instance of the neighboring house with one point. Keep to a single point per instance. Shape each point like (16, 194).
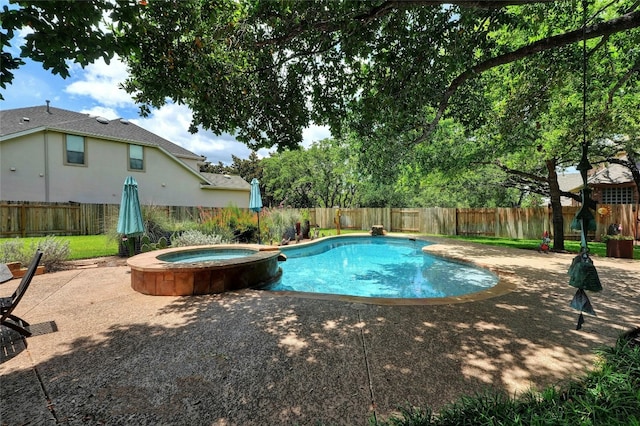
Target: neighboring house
(568, 182)
(614, 185)
(610, 184)
(55, 155)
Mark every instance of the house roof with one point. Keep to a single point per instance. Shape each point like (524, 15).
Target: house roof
(25, 120)
(612, 174)
(569, 181)
(226, 181)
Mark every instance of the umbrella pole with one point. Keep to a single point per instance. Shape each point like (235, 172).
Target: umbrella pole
(259, 242)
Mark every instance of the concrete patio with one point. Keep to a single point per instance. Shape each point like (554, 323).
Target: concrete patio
(102, 353)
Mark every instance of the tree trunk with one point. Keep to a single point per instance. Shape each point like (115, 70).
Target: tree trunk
(556, 206)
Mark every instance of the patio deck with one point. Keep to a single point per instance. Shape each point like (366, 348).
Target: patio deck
(104, 354)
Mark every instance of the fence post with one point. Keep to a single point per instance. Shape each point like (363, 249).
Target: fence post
(23, 220)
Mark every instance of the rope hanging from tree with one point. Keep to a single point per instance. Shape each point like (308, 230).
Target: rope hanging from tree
(582, 272)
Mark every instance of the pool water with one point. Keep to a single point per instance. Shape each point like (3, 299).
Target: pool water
(385, 267)
(205, 255)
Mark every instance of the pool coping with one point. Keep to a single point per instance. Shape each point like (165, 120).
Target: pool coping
(149, 262)
(506, 282)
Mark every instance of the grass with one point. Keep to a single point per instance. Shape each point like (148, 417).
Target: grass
(81, 246)
(595, 248)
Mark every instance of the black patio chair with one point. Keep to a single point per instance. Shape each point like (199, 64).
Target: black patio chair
(8, 304)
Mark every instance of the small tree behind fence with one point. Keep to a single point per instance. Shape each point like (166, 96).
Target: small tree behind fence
(23, 219)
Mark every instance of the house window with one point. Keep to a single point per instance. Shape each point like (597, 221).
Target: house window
(75, 148)
(617, 195)
(136, 157)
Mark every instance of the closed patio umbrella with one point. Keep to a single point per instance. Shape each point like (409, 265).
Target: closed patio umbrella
(255, 201)
(130, 222)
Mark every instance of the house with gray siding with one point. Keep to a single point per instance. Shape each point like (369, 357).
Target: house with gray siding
(50, 154)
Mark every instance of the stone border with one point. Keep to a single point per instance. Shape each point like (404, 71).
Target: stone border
(152, 276)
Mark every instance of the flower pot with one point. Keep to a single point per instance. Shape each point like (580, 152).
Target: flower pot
(620, 248)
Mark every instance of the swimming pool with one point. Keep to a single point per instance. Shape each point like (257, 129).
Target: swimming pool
(377, 267)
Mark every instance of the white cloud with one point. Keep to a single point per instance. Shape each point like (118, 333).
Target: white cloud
(172, 123)
(100, 81)
(100, 111)
(314, 133)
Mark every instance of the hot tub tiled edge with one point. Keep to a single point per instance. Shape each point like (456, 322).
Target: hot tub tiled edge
(152, 276)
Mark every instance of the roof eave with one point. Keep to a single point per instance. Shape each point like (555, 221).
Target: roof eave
(224, 188)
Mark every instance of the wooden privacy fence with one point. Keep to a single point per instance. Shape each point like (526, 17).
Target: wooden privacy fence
(520, 223)
(31, 219)
(22, 219)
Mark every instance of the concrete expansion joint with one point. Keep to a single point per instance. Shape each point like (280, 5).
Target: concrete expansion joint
(368, 367)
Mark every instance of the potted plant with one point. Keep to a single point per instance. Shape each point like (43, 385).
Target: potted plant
(618, 245)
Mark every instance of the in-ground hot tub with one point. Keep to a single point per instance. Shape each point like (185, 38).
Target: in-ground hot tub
(186, 271)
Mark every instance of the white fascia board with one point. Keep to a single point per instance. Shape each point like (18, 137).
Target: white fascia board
(23, 133)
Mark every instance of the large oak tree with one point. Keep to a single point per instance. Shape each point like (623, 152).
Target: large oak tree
(266, 70)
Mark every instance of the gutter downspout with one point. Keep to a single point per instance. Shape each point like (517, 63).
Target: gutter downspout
(46, 166)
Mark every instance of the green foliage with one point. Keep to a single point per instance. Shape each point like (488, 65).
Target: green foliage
(55, 251)
(146, 245)
(277, 221)
(239, 65)
(484, 187)
(247, 169)
(11, 250)
(59, 32)
(195, 238)
(605, 237)
(229, 222)
(607, 395)
(156, 222)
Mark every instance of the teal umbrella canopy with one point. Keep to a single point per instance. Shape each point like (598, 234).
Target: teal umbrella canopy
(255, 202)
(130, 222)
(255, 199)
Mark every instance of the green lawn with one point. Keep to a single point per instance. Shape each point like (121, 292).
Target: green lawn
(81, 246)
(595, 248)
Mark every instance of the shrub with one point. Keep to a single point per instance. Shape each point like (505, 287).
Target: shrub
(156, 222)
(55, 252)
(278, 221)
(12, 251)
(230, 223)
(195, 238)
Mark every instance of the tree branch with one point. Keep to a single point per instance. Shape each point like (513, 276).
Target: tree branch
(621, 82)
(622, 23)
(386, 8)
(521, 174)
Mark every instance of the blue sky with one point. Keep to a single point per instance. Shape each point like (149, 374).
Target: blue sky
(94, 90)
